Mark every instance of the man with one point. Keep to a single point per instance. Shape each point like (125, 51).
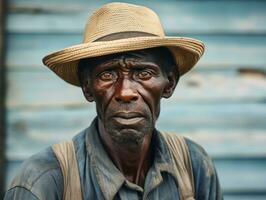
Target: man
(125, 65)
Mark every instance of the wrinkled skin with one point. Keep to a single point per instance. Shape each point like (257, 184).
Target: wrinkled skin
(127, 89)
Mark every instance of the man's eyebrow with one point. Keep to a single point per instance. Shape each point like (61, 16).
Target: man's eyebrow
(142, 64)
(130, 63)
(108, 64)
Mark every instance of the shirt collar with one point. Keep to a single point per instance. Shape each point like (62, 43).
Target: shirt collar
(163, 162)
(109, 178)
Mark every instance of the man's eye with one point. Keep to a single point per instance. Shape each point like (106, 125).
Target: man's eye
(107, 76)
(144, 75)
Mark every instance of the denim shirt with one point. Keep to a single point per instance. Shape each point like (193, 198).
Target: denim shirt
(40, 176)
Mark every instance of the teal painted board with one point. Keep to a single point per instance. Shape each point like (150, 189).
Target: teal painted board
(25, 51)
(229, 130)
(235, 175)
(33, 89)
(223, 117)
(176, 16)
(245, 197)
(29, 89)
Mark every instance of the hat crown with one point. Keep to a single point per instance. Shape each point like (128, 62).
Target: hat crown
(116, 18)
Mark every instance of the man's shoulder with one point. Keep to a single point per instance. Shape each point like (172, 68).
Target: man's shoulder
(206, 181)
(35, 167)
(40, 170)
(41, 165)
(40, 175)
(196, 150)
(199, 157)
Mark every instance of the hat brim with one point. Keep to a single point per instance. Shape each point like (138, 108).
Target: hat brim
(64, 63)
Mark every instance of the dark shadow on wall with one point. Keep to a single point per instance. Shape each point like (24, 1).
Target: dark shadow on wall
(2, 97)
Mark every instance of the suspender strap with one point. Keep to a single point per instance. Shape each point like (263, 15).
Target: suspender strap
(180, 154)
(65, 154)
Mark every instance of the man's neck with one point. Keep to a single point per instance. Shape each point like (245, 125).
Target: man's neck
(133, 162)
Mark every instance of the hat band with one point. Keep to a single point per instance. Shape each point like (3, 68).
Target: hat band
(124, 35)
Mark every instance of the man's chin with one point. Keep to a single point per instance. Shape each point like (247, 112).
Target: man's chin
(128, 137)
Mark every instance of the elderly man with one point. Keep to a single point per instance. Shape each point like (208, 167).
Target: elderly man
(125, 65)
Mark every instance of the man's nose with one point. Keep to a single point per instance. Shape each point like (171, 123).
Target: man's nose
(126, 91)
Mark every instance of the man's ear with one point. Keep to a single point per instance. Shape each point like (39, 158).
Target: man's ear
(172, 82)
(87, 91)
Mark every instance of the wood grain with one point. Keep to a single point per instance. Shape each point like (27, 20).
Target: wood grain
(246, 197)
(229, 130)
(26, 51)
(176, 16)
(30, 89)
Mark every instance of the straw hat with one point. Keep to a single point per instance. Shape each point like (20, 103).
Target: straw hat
(130, 27)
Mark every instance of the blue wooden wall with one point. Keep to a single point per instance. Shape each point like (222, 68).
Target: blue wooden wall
(220, 104)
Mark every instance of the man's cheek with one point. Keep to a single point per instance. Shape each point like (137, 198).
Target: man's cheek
(105, 102)
(149, 104)
(155, 99)
(100, 106)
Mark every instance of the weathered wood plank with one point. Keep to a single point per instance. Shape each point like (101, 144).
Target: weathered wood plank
(176, 16)
(27, 89)
(219, 117)
(240, 175)
(222, 51)
(235, 176)
(245, 197)
(236, 126)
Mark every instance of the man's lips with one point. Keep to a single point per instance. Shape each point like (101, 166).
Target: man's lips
(128, 115)
(128, 118)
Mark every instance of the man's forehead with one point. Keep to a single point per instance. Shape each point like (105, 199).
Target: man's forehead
(146, 55)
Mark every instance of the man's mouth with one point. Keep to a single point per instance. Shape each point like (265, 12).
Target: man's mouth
(128, 118)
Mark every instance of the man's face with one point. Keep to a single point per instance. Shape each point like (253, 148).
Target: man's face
(127, 89)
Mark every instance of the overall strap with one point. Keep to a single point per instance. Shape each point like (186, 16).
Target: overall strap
(65, 154)
(180, 154)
